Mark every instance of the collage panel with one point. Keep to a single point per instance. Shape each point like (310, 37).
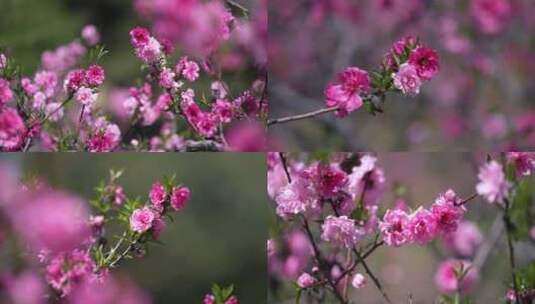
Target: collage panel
(444, 228)
(401, 75)
(133, 228)
(133, 75)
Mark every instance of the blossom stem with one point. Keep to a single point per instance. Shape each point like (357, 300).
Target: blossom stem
(301, 116)
(285, 166)
(466, 200)
(321, 262)
(57, 109)
(372, 276)
(242, 8)
(508, 230)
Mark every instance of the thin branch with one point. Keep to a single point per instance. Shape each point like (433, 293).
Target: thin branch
(466, 200)
(372, 276)
(301, 116)
(203, 145)
(508, 230)
(285, 166)
(321, 262)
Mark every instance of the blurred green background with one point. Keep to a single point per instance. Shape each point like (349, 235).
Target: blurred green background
(219, 237)
(29, 27)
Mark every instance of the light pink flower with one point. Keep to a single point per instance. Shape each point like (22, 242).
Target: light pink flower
(26, 288)
(3, 61)
(180, 197)
(394, 227)
(6, 95)
(345, 93)
(167, 78)
(422, 226)
(297, 198)
(340, 231)
(368, 179)
(247, 137)
(90, 35)
(305, 280)
(86, 97)
(358, 281)
(141, 219)
(110, 291)
(493, 184)
(447, 279)
(54, 111)
(407, 80)
(47, 82)
(191, 70)
(150, 52)
(465, 240)
(491, 15)
(52, 221)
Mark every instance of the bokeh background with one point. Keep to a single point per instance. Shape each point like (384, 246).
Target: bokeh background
(481, 98)
(30, 27)
(219, 237)
(410, 269)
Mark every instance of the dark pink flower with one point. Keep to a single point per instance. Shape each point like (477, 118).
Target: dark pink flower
(139, 37)
(95, 75)
(66, 270)
(422, 226)
(345, 92)
(209, 299)
(232, 300)
(425, 60)
(180, 197)
(394, 228)
(447, 212)
(75, 80)
(523, 161)
(157, 196)
(12, 130)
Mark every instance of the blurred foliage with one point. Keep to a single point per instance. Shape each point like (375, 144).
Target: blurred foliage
(219, 237)
(520, 213)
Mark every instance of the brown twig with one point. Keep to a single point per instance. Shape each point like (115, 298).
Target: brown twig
(301, 116)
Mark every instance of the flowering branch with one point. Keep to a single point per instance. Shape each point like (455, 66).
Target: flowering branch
(404, 69)
(340, 192)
